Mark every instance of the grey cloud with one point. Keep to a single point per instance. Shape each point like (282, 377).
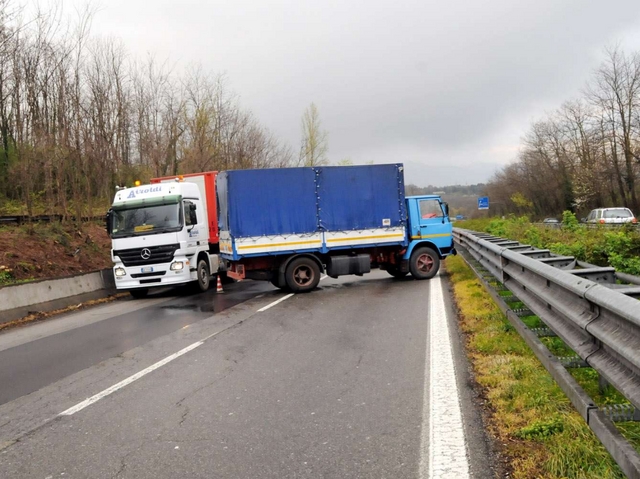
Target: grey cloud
(436, 82)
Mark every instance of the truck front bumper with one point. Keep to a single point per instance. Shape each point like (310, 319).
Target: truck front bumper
(149, 276)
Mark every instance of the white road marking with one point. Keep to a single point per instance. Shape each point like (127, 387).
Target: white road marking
(443, 448)
(87, 402)
(125, 382)
(271, 305)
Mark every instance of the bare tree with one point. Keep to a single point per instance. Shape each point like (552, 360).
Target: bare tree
(78, 116)
(315, 143)
(616, 91)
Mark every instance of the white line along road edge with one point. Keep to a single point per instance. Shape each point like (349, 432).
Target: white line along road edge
(443, 447)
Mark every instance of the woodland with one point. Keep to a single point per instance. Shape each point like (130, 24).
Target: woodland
(583, 155)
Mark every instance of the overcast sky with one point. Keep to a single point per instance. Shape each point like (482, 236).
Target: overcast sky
(446, 87)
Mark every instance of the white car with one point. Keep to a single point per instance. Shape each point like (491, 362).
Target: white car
(611, 216)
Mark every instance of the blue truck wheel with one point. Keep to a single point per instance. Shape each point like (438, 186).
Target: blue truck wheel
(302, 275)
(424, 263)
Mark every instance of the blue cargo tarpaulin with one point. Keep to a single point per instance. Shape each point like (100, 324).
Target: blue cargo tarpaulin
(361, 197)
(303, 205)
(267, 202)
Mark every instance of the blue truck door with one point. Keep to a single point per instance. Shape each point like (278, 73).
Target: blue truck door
(431, 217)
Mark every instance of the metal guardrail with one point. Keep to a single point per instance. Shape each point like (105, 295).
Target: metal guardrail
(587, 307)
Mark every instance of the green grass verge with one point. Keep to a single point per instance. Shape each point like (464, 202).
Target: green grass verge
(602, 246)
(531, 417)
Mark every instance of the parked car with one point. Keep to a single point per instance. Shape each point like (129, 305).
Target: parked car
(551, 220)
(611, 216)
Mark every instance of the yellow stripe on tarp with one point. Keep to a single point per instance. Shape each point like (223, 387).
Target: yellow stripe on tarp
(358, 238)
(277, 245)
(439, 235)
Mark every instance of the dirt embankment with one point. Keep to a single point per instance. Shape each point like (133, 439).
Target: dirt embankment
(44, 251)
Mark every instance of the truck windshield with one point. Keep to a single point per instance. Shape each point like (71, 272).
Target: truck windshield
(146, 220)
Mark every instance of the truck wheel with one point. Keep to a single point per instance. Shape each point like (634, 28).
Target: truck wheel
(276, 282)
(396, 273)
(204, 277)
(302, 275)
(424, 263)
(139, 293)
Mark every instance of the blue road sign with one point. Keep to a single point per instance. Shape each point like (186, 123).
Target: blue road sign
(483, 203)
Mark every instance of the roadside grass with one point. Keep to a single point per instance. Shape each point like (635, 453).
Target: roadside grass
(533, 421)
(602, 246)
(6, 276)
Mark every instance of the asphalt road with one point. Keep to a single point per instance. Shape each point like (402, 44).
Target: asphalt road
(46, 352)
(334, 383)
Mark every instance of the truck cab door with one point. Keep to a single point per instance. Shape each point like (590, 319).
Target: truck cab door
(193, 221)
(431, 218)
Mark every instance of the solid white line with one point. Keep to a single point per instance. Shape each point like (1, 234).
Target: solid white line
(274, 303)
(443, 448)
(87, 402)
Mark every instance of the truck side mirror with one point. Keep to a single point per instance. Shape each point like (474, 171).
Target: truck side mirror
(446, 208)
(192, 214)
(108, 221)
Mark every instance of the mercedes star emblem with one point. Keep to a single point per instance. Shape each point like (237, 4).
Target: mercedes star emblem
(145, 253)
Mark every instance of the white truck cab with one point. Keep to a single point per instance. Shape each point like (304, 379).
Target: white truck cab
(160, 236)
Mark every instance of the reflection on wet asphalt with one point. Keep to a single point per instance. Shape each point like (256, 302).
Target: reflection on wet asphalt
(33, 365)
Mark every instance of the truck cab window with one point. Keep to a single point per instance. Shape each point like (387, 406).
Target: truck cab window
(190, 214)
(430, 209)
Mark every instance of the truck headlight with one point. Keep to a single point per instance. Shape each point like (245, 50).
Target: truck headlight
(120, 272)
(177, 266)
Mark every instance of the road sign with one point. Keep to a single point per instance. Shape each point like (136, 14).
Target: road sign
(483, 203)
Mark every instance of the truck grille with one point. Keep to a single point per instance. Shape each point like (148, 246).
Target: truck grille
(150, 255)
(147, 275)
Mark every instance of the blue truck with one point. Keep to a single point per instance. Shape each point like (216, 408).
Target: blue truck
(289, 225)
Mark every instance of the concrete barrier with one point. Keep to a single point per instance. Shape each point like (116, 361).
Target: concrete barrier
(20, 300)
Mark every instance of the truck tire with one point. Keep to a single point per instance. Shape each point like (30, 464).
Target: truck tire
(424, 263)
(276, 281)
(204, 276)
(139, 293)
(396, 273)
(302, 275)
